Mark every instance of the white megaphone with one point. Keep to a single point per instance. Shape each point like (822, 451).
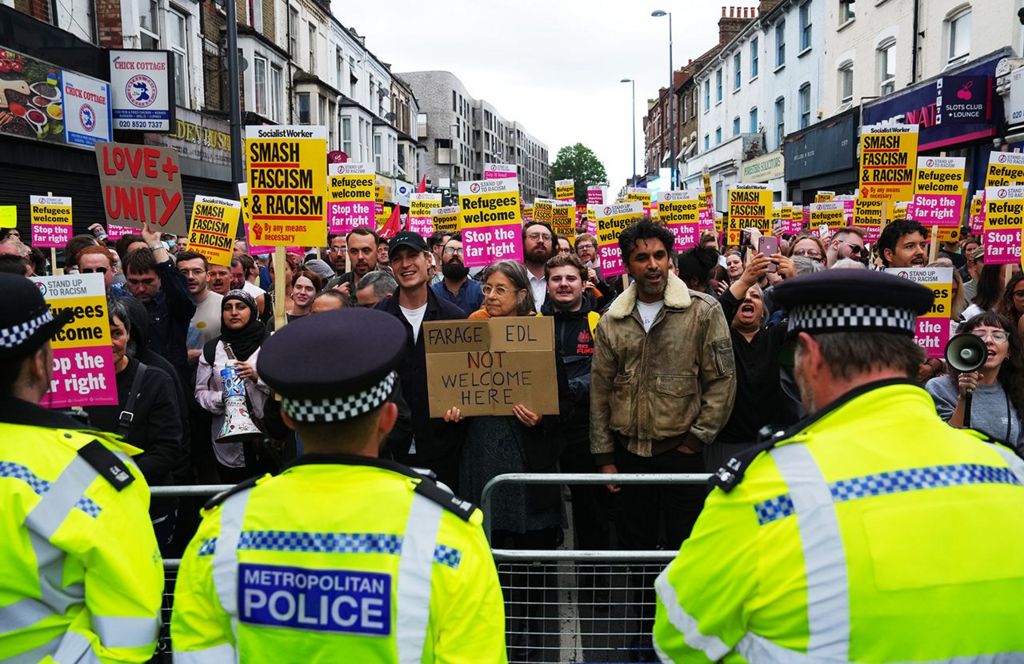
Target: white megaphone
(966, 353)
(238, 424)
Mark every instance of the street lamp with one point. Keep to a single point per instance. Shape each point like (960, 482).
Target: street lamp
(658, 13)
(632, 84)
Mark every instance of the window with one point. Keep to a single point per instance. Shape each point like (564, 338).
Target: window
(707, 142)
(886, 68)
(846, 83)
(805, 26)
(256, 14)
(321, 114)
(718, 86)
(718, 136)
(346, 136)
(176, 31)
(780, 44)
(455, 102)
(312, 49)
(753, 121)
(148, 31)
(276, 87)
(339, 64)
(736, 126)
(847, 11)
(754, 59)
(707, 95)
(780, 120)
(377, 157)
(805, 105)
(959, 45)
(737, 66)
(302, 100)
(259, 70)
(293, 32)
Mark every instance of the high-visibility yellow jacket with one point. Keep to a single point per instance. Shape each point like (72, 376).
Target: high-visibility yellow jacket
(874, 533)
(339, 559)
(81, 577)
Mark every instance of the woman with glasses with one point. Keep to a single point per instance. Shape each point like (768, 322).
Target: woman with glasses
(807, 246)
(997, 387)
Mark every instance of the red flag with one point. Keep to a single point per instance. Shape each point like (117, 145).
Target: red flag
(392, 225)
(422, 189)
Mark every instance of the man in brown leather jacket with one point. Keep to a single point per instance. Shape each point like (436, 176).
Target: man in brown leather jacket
(662, 385)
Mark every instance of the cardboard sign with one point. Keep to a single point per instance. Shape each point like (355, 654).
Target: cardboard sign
(420, 206)
(445, 219)
(750, 206)
(563, 219)
(595, 195)
(565, 190)
(83, 362)
(611, 221)
(500, 171)
(1004, 218)
(214, 228)
(287, 178)
(933, 328)
(888, 153)
(542, 210)
(350, 196)
(939, 191)
(679, 211)
(486, 367)
(51, 220)
(141, 186)
(868, 216)
(490, 221)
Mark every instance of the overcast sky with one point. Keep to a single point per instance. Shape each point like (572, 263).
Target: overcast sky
(552, 65)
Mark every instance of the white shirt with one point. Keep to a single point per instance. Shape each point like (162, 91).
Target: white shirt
(539, 285)
(649, 311)
(415, 318)
(252, 289)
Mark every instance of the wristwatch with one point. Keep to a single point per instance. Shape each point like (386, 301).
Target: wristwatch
(157, 245)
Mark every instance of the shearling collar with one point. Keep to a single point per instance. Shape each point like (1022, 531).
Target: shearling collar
(677, 296)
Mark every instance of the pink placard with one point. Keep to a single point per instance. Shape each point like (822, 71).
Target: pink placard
(932, 335)
(422, 225)
(344, 216)
(499, 175)
(115, 231)
(1002, 246)
(871, 233)
(706, 220)
(687, 235)
(45, 236)
(82, 377)
(610, 257)
(936, 209)
(591, 227)
(483, 246)
(595, 196)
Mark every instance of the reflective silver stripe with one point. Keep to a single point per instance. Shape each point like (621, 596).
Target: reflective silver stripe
(35, 655)
(712, 646)
(828, 597)
(662, 657)
(225, 559)
(758, 649)
(415, 568)
(62, 496)
(121, 632)
(216, 655)
(1012, 460)
(75, 649)
(22, 614)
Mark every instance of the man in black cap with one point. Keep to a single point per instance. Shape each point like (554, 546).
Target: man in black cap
(866, 531)
(82, 574)
(347, 557)
(435, 444)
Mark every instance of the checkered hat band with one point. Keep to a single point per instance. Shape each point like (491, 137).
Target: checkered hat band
(317, 411)
(14, 336)
(836, 317)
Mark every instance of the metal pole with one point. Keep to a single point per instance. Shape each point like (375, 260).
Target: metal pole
(632, 84)
(671, 113)
(234, 100)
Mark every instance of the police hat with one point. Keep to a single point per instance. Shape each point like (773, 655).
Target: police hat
(852, 301)
(333, 366)
(26, 322)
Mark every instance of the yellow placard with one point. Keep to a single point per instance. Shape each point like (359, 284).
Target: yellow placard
(824, 196)
(563, 219)
(543, 210)
(1005, 169)
(639, 195)
(528, 211)
(8, 216)
(565, 190)
(749, 207)
(213, 228)
(868, 213)
(489, 203)
(888, 155)
(90, 326)
(287, 181)
(611, 221)
(43, 213)
(445, 219)
(827, 214)
(899, 210)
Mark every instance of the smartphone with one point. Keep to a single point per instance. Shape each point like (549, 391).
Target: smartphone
(769, 246)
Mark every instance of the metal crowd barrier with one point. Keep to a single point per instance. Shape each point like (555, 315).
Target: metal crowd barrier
(561, 605)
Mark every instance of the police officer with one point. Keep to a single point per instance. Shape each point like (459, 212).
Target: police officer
(868, 532)
(81, 574)
(343, 557)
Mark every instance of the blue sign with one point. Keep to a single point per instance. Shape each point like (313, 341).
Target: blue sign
(315, 599)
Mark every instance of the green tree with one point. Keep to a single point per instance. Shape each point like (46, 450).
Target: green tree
(580, 164)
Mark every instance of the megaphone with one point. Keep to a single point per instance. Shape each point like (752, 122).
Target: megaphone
(966, 352)
(238, 424)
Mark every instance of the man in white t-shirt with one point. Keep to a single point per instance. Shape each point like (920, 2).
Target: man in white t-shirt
(435, 444)
(205, 323)
(245, 275)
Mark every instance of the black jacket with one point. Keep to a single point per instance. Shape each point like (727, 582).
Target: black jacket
(170, 313)
(434, 438)
(574, 347)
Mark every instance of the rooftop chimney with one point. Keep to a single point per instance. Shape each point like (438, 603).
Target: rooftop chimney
(730, 25)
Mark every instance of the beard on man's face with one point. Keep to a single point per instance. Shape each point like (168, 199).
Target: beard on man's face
(454, 270)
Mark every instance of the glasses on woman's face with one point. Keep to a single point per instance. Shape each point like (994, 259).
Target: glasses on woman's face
(997, 335)
(813, 254)
(499, 291)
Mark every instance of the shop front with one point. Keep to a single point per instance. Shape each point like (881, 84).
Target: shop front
(822, 157)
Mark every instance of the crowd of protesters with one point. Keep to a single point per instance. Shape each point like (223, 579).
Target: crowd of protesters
(672, 368)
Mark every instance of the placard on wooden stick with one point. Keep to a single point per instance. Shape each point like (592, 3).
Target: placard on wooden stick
(486, 367)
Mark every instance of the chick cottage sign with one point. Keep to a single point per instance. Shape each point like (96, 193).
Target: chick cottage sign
(142, 90)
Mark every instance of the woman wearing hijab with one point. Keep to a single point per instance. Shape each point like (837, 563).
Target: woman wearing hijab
(242, 330)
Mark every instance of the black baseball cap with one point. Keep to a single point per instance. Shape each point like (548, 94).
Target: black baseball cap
(407, 239)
